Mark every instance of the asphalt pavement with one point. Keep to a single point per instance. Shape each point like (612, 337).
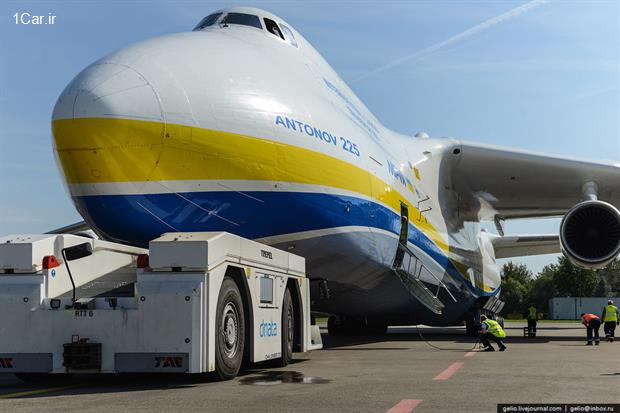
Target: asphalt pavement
(410, 369)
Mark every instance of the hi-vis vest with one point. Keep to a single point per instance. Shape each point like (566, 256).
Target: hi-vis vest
(494, 328)
(611, 313)
(533, 314)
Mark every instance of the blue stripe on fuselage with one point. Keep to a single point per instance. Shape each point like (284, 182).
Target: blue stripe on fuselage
(137, 219)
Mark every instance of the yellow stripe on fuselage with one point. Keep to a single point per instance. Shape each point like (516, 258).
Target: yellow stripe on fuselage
(96, 150)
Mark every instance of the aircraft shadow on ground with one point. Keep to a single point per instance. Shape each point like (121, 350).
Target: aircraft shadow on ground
(431, 336)
(122, 383)
(449, 339)
(541, 328)
(81, 385)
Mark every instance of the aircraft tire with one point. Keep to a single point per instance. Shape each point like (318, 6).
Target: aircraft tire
(471, 327)
(376, 329)
(333, 326)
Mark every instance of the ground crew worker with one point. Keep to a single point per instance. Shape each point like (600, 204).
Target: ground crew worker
(491, 330)
(532, 317)
(592, 323)
(610, 318)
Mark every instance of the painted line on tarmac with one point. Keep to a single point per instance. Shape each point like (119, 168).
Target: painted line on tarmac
(405, 406)
(470, 354)
(447, 373)
(35, 392)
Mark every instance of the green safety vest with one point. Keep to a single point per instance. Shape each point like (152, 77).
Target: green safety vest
(533, 314)
(611, 313)
(494, 328)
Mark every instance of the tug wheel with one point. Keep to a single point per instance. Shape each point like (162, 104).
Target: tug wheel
(288, 329)
(230, 331)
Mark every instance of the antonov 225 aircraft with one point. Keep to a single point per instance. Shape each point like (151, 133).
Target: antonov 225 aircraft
(241, 126)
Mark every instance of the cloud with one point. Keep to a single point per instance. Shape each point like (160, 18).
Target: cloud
(487, 24)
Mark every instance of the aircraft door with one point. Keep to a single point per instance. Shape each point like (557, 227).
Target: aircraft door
(403, 235)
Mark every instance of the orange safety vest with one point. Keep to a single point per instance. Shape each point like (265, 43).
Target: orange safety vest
(589, 317)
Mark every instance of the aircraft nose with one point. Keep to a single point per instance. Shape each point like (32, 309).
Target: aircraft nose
(108, 126)
(108, 90)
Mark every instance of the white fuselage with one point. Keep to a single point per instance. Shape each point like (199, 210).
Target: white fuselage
(232, 129)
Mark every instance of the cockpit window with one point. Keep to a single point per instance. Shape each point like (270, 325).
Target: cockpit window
(288, 35)
(242, 19)
(272, 27)
(208, 21)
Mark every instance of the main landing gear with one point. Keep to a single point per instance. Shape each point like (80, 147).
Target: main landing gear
(350, 326)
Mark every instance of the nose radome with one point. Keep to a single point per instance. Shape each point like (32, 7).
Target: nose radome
(108, 126)
(105, 90)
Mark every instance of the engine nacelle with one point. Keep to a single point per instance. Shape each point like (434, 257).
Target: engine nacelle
(590, 234)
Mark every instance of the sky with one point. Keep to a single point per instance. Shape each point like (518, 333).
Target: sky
(542, 76)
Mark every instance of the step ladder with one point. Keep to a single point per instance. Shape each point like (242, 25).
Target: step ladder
(410, 271)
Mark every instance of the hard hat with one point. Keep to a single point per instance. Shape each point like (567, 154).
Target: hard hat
(610, 301)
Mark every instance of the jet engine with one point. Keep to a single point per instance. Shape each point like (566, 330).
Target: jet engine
(590, 234)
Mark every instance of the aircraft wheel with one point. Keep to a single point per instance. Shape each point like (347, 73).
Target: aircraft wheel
(377, 328)
(334, 328)
(230, 331)
(471, 327)
(288, 329)
(354, 327)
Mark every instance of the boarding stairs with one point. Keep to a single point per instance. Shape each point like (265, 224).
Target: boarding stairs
(410, 271)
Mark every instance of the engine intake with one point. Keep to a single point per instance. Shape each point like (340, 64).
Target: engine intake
(590, 234)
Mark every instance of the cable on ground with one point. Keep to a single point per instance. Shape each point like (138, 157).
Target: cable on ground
(440, 348)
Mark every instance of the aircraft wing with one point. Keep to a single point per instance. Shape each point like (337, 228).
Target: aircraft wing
(71, 229)
(492, 182)
(523, 245)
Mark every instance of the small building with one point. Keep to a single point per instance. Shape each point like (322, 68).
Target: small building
(570, 308)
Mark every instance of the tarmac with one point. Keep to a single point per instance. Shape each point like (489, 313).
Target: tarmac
(398, 373)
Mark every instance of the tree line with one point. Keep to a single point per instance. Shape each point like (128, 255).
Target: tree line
(520, 288)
